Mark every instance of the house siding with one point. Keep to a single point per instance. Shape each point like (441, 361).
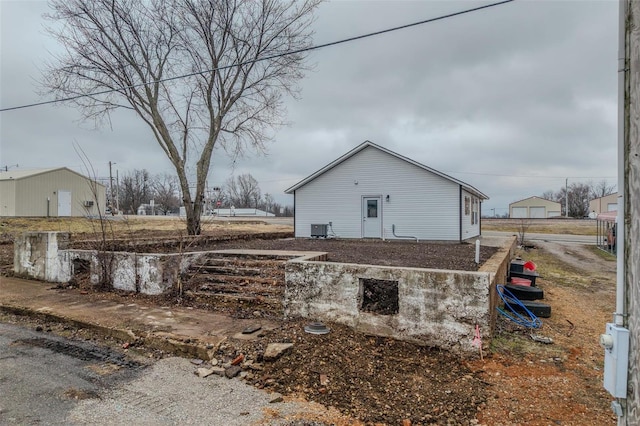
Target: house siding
(421, 204)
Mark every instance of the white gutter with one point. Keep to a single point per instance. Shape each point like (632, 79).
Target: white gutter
(620, 313)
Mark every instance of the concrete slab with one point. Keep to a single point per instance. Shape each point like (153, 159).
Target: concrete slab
(184, 331)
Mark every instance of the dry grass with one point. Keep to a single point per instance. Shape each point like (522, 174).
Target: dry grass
(10, 227)
(543, 226)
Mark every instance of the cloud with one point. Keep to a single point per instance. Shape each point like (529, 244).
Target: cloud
(512, 99)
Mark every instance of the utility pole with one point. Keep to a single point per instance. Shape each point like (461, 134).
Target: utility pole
(111, 188)
(622, 338)
(566, 197)
(117, 192)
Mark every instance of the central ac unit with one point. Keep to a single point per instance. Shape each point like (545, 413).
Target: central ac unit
(319, 230)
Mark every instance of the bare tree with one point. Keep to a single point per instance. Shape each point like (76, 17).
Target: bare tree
(165, 193)
(548, 195)
(135, 189)
(197, 72)
(601, 189)
(243, 191)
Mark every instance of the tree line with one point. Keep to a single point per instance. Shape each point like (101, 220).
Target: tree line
(136, 190)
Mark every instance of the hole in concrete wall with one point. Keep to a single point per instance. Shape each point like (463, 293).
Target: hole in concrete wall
(379, 296)
(81, 272)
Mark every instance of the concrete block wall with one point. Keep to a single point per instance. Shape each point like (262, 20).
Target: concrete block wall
(435, 307)
(43, 256)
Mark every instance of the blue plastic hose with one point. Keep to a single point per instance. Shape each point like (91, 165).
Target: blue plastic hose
(509, 299)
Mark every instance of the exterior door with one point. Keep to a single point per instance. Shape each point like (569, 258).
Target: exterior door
(371, 217)
(64, 203)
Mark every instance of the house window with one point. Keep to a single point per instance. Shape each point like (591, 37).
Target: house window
(372, 208)
(379, 296)
(476, 208)
(467, 208)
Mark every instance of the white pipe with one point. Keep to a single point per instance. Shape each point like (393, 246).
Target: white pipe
(393, 230)
(477, 252)
(619, 315)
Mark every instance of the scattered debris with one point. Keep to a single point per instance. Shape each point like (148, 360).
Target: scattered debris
(232, 371)
(238, 360)
(573, 327)
(251, 329)
(542, 339)
(276, 398)
(203, 372)
(324, 380)
(276, 350)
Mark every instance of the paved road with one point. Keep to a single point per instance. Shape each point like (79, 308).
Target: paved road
(560, 238)
(42, 377)
(46, 379)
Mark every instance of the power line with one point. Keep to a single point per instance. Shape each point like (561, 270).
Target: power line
(307, 49)
(533, 176)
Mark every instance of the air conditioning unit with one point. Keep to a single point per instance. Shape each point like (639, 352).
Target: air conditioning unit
(88, 203)
(319, 230)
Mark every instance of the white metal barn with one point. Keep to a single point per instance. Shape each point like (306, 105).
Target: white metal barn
(608, 203)
(50, 193)
(534, 208)
(372, 192)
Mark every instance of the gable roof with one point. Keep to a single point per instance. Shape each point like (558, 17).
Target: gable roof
(535, 197)
(367, 144)
(22, 174)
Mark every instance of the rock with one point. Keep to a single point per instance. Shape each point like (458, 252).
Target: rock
(39, 328)
(255, 366)
(276, 350)
(324, 380)
(218, 370)
(203, 372)
(196, 361)
(276, 397)
(214, 362)
(232, 371)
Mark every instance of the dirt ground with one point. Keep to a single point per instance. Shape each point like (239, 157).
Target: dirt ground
(372, 380)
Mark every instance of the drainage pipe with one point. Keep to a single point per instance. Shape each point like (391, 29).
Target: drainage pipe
(393, 230)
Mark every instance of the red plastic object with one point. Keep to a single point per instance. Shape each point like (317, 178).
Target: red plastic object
(520, 281)
(529, 265)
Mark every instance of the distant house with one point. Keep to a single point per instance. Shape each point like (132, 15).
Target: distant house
(608, 203)
(55, 192)
(534, 208)
(372, 192)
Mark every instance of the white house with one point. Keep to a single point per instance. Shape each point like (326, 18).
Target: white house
(372, 192)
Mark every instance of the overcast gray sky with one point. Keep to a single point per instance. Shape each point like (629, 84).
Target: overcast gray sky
(512, 100)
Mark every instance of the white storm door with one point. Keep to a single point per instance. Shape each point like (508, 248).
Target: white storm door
(371, 217)
(64, 203)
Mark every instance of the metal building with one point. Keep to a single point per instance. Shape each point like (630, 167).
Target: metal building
(55, 192)
(534, 208)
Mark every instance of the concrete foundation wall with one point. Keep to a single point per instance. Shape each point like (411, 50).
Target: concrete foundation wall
(41, 255)
(435, 307)
(36, 255)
